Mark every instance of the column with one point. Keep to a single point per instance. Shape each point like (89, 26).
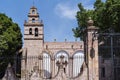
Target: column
(92, 51)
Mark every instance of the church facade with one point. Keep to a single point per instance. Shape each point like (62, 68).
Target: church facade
(47, 56)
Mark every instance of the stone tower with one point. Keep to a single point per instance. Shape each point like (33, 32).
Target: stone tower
(33, 33)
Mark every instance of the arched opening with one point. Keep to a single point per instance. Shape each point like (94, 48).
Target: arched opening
(33, 20)
(30, 31)
(33, 11)
(78, 59)
(46, 65)
(61, 53)
(36, 31)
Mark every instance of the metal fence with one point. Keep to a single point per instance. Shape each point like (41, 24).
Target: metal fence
(109, 48)
(45, 66)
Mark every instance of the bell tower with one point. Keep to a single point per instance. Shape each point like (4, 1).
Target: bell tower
(33, 33)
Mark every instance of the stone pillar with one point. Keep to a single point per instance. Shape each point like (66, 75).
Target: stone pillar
(52, 67)
(23, 64)
(91, 51)
(70, 66)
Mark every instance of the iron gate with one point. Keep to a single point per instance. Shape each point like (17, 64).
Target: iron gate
(109, 50)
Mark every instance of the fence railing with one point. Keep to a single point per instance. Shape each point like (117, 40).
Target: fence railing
(45, 66)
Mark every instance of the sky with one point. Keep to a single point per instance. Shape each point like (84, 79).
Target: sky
(58, 15)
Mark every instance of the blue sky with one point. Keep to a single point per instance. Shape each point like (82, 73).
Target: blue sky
(58, 15)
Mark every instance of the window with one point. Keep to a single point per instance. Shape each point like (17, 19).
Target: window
(30, 31)
(36, 31)
(33, 20)
(103, 72)
(33, 11)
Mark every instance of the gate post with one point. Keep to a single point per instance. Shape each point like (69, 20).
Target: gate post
(91, 51)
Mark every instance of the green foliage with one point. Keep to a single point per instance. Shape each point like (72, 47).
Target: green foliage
(10, 41)
(106, 15)
(82, 17)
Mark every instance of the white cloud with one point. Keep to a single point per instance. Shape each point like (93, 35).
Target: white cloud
(65, 11)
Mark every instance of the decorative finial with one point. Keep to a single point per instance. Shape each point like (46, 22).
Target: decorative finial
(65, 40)
(54, 40)
(90, 22)
(75, 39)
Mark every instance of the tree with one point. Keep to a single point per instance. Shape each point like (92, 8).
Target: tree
(106, 15)
(10, 41)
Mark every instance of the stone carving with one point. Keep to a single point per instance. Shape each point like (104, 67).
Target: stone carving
(61, 66)
(35, 75)
(61, 63)
(9, 75)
